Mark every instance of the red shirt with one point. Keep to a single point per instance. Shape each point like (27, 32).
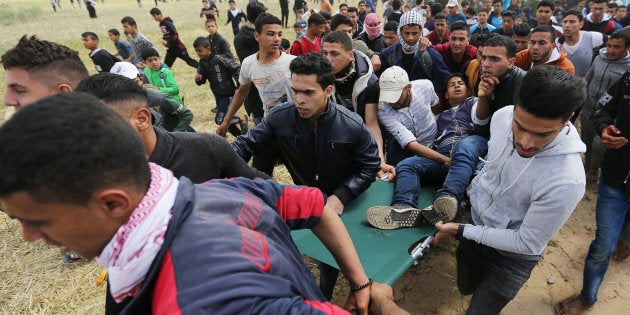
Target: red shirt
(304, 45)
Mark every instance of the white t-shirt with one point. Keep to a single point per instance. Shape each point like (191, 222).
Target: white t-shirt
(272, 80)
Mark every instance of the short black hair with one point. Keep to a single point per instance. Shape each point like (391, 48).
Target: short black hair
(266, 19)
(47, 62)
(149, 52)
(440, 16)
(326, 15)
(558, 93)
(343, 5)
(296, 25)
(340, 19)
(396, 4)
(502, 41)
(464, 2)
(545, 29)
(90, 34)
(129, 20)
(623, 33)
(483, 10)
(460, 26)
(479, 40)
(599, 1)
(436, 8)
(522, 30)
(114, 31)
(122, 94)
(495, 1)
(546, 3)
(353, 10)
(210, 20)
(471, 11)
(612, 5)
(254, 10)
(391, 26)
(285, 44)
(508, 13)
(316, 19)
(201, 41)
(67, 158)
(575, 12)
(338, 37)
(155, 11)
(314, 63)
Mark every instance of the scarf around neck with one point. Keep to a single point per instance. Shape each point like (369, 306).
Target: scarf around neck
(407, 18)
(130, 253)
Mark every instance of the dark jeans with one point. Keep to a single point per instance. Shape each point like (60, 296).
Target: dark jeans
(491, 277)
(223, 103)
(463, 165)
(173, 53)
(264, 160)
(410, 174)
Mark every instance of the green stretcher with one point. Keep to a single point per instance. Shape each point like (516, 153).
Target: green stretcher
(385, 254)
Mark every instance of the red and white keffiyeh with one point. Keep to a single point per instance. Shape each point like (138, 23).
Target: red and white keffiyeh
(133, 248)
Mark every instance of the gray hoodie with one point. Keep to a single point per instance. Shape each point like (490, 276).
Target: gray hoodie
(601, 76)
(519, 203)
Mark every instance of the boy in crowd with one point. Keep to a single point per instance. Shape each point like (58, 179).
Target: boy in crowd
(218, 43)
(521, 36)
(507, 24)
(285, 45)
(311, 41)
(137, 40)
(220, 72)
(543, 50)
(102, 59)
(299, 32)
(174, 116)
(209, 10)
(234, 16)
(170, 38)
(123, 49)
(299, 18)
(579, 45)
(441, 33)
(390, 33)
(458, 51)
(482, 26)
(159, 76)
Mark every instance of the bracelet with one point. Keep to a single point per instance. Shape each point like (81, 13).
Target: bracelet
(460, 232)
(361, 287)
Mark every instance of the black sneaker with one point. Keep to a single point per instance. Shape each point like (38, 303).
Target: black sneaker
(393, 217)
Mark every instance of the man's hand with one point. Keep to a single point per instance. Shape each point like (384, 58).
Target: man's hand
(164, 42)
(376, 62)
(222, 129)
(445, 230)
(612, 139)
(486, 85)
(385, 169)
(359, 301)
(424, 43)
(335, 204)
(198, 77)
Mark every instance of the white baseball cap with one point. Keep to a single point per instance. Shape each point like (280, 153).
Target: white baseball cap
(451, 3)
(392, 82)
(126, 69)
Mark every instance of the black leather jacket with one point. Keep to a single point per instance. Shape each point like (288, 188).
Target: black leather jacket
(614, 109)
(340, 157)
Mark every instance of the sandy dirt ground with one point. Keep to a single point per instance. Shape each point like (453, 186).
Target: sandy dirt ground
(431, 287)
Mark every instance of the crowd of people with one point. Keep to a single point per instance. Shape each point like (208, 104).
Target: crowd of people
(477, 98)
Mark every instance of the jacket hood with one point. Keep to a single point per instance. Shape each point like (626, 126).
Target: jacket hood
(605, 18)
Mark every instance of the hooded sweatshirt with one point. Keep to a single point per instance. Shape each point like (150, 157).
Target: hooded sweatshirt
(600, 77)
(516, 210)
(557, 58)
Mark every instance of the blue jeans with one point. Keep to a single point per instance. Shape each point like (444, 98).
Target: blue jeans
(410, 173)
(463, 165)
(613, 204)
(396, 153)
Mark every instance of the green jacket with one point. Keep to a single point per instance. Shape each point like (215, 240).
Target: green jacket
(175, 116)
(164, 79)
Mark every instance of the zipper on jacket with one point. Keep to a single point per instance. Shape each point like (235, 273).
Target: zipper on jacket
(625, 181)
(492, 195)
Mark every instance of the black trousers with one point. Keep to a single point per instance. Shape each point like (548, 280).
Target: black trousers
(173, 53)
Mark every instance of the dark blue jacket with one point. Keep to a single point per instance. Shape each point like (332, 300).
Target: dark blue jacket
(228, 250)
